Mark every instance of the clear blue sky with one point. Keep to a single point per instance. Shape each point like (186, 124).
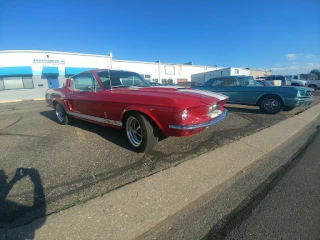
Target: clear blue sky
(280, 34)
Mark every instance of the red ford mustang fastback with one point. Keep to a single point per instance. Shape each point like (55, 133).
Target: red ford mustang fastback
(123, 99)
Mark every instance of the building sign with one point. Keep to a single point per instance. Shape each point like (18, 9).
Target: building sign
(169, 70)
(49, 61)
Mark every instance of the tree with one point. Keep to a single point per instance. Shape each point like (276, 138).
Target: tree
(316, 71)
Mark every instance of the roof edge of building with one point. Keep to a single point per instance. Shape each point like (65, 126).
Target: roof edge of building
(55, 52)
(100, 55)
(166, 63)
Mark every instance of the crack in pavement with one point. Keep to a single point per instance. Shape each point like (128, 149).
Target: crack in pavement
(12, 124)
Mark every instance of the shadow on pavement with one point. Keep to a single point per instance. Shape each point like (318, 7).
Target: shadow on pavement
(113, 135)
(243, 110)
(13, 214)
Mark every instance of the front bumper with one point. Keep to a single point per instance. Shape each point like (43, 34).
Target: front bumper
(201, 125)
(298, 102)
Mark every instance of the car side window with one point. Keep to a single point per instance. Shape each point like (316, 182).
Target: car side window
(217, 83)
(225, 82)
(85, 82)
(230, 82)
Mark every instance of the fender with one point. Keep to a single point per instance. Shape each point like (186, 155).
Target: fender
(61, 101)
(145, 110)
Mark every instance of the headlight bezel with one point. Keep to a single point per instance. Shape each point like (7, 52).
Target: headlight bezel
(300, 93)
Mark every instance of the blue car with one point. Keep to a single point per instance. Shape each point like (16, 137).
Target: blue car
(246, 91)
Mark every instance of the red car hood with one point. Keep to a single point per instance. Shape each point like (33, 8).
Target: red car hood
(174, 93)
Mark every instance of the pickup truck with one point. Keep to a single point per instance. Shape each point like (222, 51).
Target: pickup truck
(314, 84)
(300, 83)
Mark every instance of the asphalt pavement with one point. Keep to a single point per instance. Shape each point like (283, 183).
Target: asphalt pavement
(82, 161)
(290, 210)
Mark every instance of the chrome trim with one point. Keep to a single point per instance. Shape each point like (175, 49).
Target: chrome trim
(202, 125)
(96, 119)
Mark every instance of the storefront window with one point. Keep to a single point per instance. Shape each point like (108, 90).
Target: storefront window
(11, 83)
(1, 84)
(27, 82)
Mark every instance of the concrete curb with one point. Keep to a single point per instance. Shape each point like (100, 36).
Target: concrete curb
(142, 208)
(14, 101)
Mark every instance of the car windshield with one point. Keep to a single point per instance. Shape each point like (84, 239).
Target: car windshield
(117, 79)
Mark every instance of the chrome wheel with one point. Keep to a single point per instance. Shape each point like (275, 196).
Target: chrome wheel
(134, 131)
(271, 105)
(60, 113)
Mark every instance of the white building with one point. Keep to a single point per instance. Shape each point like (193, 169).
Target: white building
(27, 74)
(201, 78)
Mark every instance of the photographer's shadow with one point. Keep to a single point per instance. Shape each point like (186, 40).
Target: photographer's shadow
(13, 214)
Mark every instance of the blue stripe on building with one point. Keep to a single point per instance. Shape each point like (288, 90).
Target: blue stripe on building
(50, 71)
(15, 71)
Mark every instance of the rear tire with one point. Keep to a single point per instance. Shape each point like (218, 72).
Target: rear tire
(61, 115)
(141, 132)
(271, 104)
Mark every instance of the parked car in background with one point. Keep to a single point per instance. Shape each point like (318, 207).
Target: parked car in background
(184, 84)
(155, 84)
(314, 84)
(122, 99)
(245, 90)
(306, 80)
(279, 80)
(298, 82)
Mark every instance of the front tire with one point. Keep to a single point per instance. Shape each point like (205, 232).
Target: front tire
(61, 115)
(141, 132)
(271, 104)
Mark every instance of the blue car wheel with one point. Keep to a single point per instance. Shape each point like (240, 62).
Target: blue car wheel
(271, 104)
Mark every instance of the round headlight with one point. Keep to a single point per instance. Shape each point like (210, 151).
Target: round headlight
(184, 114)
(212, 107)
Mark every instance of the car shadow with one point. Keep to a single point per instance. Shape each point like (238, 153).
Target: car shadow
(13, 214)
(116, 136)
(243, 110)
